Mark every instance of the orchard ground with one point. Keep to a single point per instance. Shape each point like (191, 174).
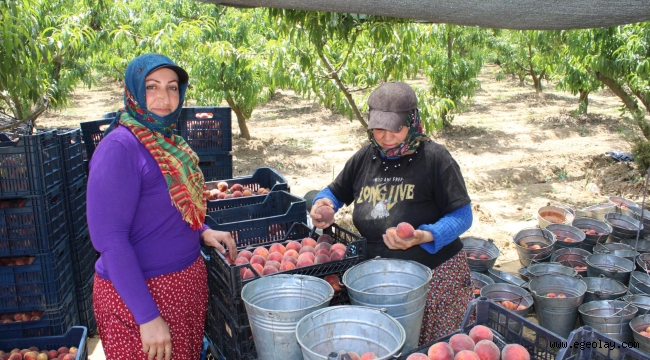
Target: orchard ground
(518, 151)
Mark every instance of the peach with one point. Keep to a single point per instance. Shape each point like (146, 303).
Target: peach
(237, 194)
(324, 238)
(334, 281)
(647, 329)
(418, 356)
(289, 259)
(268, 270)
(461, 342)
(466, 355)
(441, 351)
(483, 257)
(247, 192)
(287, 266)
(42, 356)
(487, 350)
(69, 357)
(535, 247)
(52, 354)
(521, 307)
(275, 264)
(237, 187)
(307, 255)
(293, 245)
(15, 356)
(405, 230)
(480, 332)
(323, 252)
(277, 248)
(369, 356)
(292, 253)
(34, 348)
(326, 214)
(338, 246)
(261, 251)
(561, 296)
(471, 256)
(241, 261)
(222, 186)
(307, 248)
(308, 242)
(24, 351)
(30, 355)
(322, 258)
(323, 246)
(551, 295)
(275, 256)
(304, 262)
(337, 255)
(258, 259)
(514, 352)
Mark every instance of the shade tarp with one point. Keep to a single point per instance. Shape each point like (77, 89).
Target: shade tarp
(501, 14)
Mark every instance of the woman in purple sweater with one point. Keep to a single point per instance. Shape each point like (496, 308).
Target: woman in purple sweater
(146, 210)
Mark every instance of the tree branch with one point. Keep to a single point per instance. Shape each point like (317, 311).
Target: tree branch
(40, 110)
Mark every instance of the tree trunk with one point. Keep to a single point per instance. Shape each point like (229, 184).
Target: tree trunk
(628, 101)
(522, 80)
(583, 102)
(241, 119)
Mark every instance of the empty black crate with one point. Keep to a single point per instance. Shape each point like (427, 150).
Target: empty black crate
(85, 304)
(31, 166)
(75, 205)
(206, 129)
(76, 337)
(92, 133)
(32, 225)
(216, 167)
(231, 277)
(262, 178)
(72, 153)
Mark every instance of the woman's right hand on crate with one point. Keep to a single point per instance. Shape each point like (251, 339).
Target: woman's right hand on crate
(321, 216)
(156, 339)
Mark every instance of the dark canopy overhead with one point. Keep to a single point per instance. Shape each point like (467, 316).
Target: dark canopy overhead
(502, 14)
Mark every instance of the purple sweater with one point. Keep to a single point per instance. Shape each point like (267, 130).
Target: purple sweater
(133, 223)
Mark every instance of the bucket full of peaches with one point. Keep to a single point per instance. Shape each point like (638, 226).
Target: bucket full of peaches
(534, 245)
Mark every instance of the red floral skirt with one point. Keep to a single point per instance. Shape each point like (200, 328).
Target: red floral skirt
(182, 299)
(448, 299)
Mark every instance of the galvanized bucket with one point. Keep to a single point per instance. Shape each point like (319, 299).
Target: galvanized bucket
(537, 270)
(623, 226)
(626, 254)
(638, 324)
(399, 286)
(526, 239)
(642, 302)
(622, 204)
(557, 314)
(476, 247)
(600, 229)
(597, 211)
(275, 304)
(610, 317)
(547, 215)
(517, 296)
(503, 277)
(606, 248)
(359, 329)
(573, 258)
(603, 288)
(635, 212)
(641, 281)
(643, 262)
(566, 236)
(642, 246)
(614, 267)
(478, 281)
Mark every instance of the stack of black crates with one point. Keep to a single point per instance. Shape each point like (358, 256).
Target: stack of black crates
(37, 288)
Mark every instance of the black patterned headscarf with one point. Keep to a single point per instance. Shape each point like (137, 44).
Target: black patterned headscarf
(411, 142)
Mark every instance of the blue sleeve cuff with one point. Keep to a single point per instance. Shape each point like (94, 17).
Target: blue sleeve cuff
(327, 194)
(448, 228)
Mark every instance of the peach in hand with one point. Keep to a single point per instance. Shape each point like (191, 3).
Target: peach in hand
(405, 230)
(326, 214)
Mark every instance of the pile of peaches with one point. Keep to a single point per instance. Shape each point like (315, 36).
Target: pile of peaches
(532, 247)
(20, 317)
(290, 255)
(222, 191)
(477, 345)
(17, 261)
(645, 331)
(33, 353)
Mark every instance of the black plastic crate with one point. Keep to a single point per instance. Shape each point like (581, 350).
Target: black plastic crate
(212, 353)
(84, 258)
(31, 166)
(92, 133)
(32, 225)
(230, 275)
(85, 305)
(76, 337)
(232, 341)
(72, 154)
(263, 177)
(206, 129)
(575, 348)
(75, 205)
(55, 321)
(508, 327)
(216, 167)
(43, 283)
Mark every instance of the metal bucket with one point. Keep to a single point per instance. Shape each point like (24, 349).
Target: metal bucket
(478, 281)
(547, 215)
(642, 302)
(399, 286)
(610, 317)
(597, 211)
(557, 314)
(622, 204)
(566, 235)
(530, 238)
(641, 281)
(600, 227)
(537, 270)
(614, 267)
(275, 304)
(351, 328)
(607, 248)
(635, 212)
(573, 258)
(603, 288)
(499, 293)
(502, 277)
(477, 247)
(642, 246)
(638, 324)
(623, 226)
(643, 262)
